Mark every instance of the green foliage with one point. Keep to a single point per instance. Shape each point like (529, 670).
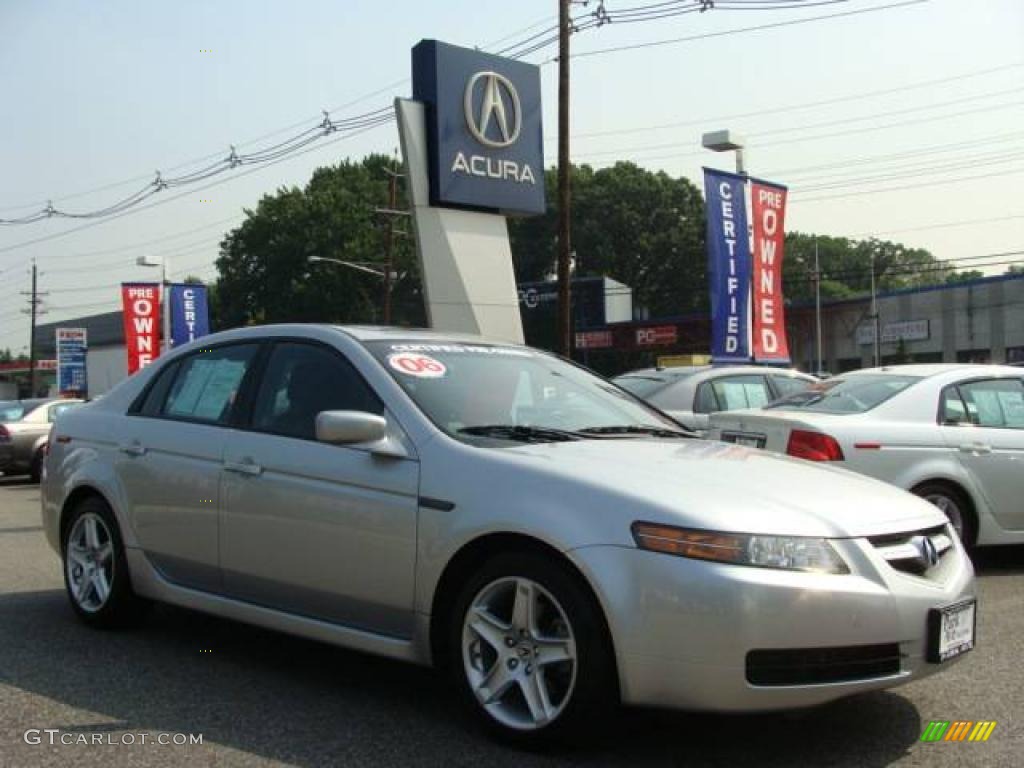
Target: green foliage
(265, 275)
(1015, 269)
(641, 228)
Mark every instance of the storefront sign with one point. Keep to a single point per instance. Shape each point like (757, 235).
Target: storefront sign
(71, 349)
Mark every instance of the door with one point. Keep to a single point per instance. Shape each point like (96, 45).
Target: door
(984, 421)
(321, 530)
(169, 461)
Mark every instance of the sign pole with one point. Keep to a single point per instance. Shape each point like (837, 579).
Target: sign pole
(564, 194)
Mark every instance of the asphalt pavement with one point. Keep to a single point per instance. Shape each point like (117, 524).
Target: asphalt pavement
(261, 698)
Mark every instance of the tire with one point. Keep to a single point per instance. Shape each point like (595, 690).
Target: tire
(91, 544)
(956, 508)
(554, 662)
(35, 467)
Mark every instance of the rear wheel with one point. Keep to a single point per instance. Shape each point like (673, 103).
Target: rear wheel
(35, 468)
(954, 506)
(95, 569)
(534, 659)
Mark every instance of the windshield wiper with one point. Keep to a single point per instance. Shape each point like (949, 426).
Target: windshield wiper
(521, 433)
(635, 429)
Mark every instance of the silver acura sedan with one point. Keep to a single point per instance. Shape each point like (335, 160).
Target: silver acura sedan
(551, 540)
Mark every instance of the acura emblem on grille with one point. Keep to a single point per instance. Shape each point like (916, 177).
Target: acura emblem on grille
(927, 553)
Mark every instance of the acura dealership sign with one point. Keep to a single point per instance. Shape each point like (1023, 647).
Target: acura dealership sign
(485, 142)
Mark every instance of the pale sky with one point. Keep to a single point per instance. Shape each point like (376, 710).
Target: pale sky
(926, 98)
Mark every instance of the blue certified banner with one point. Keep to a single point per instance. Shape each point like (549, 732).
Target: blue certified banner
(484, 134)
(729, 265)
(190, 317)
(72, 345)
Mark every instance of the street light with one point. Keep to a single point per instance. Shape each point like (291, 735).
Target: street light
(726, 141)
(165, 310)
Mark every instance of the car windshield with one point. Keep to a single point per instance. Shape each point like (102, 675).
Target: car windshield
(11, 410)
(855, 394)
(513, 393)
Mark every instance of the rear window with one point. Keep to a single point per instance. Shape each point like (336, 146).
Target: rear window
(11, 411)
(856, 394)
(641, 386)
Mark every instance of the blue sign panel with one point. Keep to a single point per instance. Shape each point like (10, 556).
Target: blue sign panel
(729, 264)
(190, 317)
(485, 141)
(71, 348)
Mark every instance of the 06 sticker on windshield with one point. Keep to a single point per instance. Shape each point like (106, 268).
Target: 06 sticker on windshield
(413, 364)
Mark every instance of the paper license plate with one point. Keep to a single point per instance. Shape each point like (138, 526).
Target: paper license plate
(951, 631)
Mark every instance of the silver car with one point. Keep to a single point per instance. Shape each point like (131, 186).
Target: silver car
(492, 509)
(24, 425)
(690, 394)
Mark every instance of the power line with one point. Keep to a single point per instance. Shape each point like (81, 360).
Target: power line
(757, 28)
(941, 182)
(801, 105)
(941, 225)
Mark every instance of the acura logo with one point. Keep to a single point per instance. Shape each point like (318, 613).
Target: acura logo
(493, 112)
(927, 554)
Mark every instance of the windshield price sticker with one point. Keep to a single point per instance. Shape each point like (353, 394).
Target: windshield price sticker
(421, 366)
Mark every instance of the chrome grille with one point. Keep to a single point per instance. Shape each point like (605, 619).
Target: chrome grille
(920, 553)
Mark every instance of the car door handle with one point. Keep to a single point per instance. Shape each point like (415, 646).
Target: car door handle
(132, 449)
(243, 467)
(976, 448)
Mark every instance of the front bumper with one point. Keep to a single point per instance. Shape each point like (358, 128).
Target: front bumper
(683, 628)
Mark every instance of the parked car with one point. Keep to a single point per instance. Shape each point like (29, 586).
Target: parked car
(24, 425)
(549, 540)
(953, 434)
(690, 394)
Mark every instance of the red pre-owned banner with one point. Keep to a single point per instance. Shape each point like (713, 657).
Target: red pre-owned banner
(768, 204)
(141, 302)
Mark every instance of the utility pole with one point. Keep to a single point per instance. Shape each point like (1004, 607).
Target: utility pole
(388, 245)
(564, 197)
(33, 311)
(874, 314)
(817, 302)
(389, 238)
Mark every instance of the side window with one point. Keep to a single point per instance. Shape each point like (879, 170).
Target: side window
(705, 401)
(207, 384)
(734, 392)
(995, 403)
(58, 409)
(158, 392)
(300, 381)
(951, 407)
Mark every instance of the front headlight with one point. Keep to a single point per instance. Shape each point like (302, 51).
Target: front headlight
(793, 553)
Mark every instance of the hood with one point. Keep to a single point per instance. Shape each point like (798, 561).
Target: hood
(724, 487)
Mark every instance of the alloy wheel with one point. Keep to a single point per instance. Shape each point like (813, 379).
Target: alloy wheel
(950, 509)
(90, 562)
(519, 653)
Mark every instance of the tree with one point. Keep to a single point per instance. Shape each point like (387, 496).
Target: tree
(264, 271)
(1015, 269)
(639, 227)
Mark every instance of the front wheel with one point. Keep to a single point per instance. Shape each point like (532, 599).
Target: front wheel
(534, 658)
(952, 503)
(95, 569)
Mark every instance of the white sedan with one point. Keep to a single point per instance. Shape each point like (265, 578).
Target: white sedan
(953, 434)
(689, 394)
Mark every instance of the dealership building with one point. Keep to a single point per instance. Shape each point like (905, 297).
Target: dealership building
(977, 321)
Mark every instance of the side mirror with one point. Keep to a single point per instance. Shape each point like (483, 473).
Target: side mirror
(348, 427)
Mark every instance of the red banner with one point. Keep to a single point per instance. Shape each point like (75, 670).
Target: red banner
(593, 340)
(768, 202)
(141, 302)
(659, 335)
